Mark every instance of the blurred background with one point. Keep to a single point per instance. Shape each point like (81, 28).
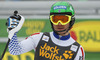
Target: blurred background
(86, 29)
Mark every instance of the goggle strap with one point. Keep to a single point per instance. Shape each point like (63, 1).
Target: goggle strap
(65, 13)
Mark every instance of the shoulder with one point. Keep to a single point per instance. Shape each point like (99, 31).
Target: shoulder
(74, 41)
(36, 35)
(80, 54)
(81, 49)
(35, 38)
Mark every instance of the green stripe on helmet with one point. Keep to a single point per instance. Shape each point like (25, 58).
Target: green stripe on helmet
(62, 7)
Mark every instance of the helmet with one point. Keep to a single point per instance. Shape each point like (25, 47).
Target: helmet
(64, 8)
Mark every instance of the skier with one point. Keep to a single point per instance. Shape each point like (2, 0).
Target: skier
(55, 45)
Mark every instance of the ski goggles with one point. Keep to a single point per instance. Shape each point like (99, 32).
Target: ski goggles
(63, 19)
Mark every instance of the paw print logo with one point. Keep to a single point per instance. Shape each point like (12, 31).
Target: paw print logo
(68, 54)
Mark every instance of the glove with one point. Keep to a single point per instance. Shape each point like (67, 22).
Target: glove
(14, 24)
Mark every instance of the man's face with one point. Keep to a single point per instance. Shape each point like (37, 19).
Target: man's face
(61, 27)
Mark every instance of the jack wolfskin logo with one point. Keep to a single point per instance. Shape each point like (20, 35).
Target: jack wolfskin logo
(52, 53)
(68, 54)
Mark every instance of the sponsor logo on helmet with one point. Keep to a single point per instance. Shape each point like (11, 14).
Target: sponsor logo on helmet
(60, 7)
